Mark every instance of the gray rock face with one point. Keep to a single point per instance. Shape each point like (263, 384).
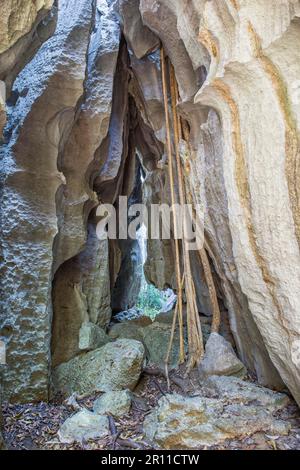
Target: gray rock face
(81, 293)
(50, 85)
(24, 27)
(132, 329)
(2, 444)
(246, 229)
(140, 38)
(83, 426)
(129, 315)
(58, 92)
(156, 339)
(115, 403)
(127, 287)
(236, 390)
(115, 366)
(188, 423)
(78, 112)
(92, 337)
(220, 358)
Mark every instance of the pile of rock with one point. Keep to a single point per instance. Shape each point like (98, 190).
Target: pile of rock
(226, 406)
(115, 369)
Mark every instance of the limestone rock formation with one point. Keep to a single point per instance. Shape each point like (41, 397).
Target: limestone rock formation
(18, 19)
(188, 423)
(140, 39)
(128, 283)
(51, 200)
(24, 26)
(234, 63)
(115, 403)
(85, 124)
(115, 366)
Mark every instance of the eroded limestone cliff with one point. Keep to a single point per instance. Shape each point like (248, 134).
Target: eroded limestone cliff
(86, 99)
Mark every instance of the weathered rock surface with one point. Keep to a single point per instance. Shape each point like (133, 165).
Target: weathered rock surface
(2, 107)
(24, 26)
(115, 403)
(47, 200)
(50, 85)
(220, 358)
(244, 168)
(188, 423)
(92, 337)
(128, 315)
(115, 366)
(132, 329)
(78, 114)
(140, 38)
(18, 20)
(83, 426)
(128, 284)
(156, 338)
(2, 444)
(81, 293)
(237, 390)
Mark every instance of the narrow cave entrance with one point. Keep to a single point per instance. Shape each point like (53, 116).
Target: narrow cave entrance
(118, 279)
(133, 295)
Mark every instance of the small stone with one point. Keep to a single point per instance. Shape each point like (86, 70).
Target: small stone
(82, 426)
(91, 337)
(220, 359)
(115, 403)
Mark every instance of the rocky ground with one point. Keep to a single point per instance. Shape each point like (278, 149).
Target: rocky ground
(118, 396)
(36, 426)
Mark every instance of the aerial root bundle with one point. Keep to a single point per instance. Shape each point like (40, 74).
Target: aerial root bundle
(184, 278)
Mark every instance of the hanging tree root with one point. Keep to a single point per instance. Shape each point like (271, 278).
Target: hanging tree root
(205, 261)
(172, 339)
(173, 200)
(195, 339)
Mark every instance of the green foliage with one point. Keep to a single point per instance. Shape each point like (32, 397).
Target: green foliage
(150, 300)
